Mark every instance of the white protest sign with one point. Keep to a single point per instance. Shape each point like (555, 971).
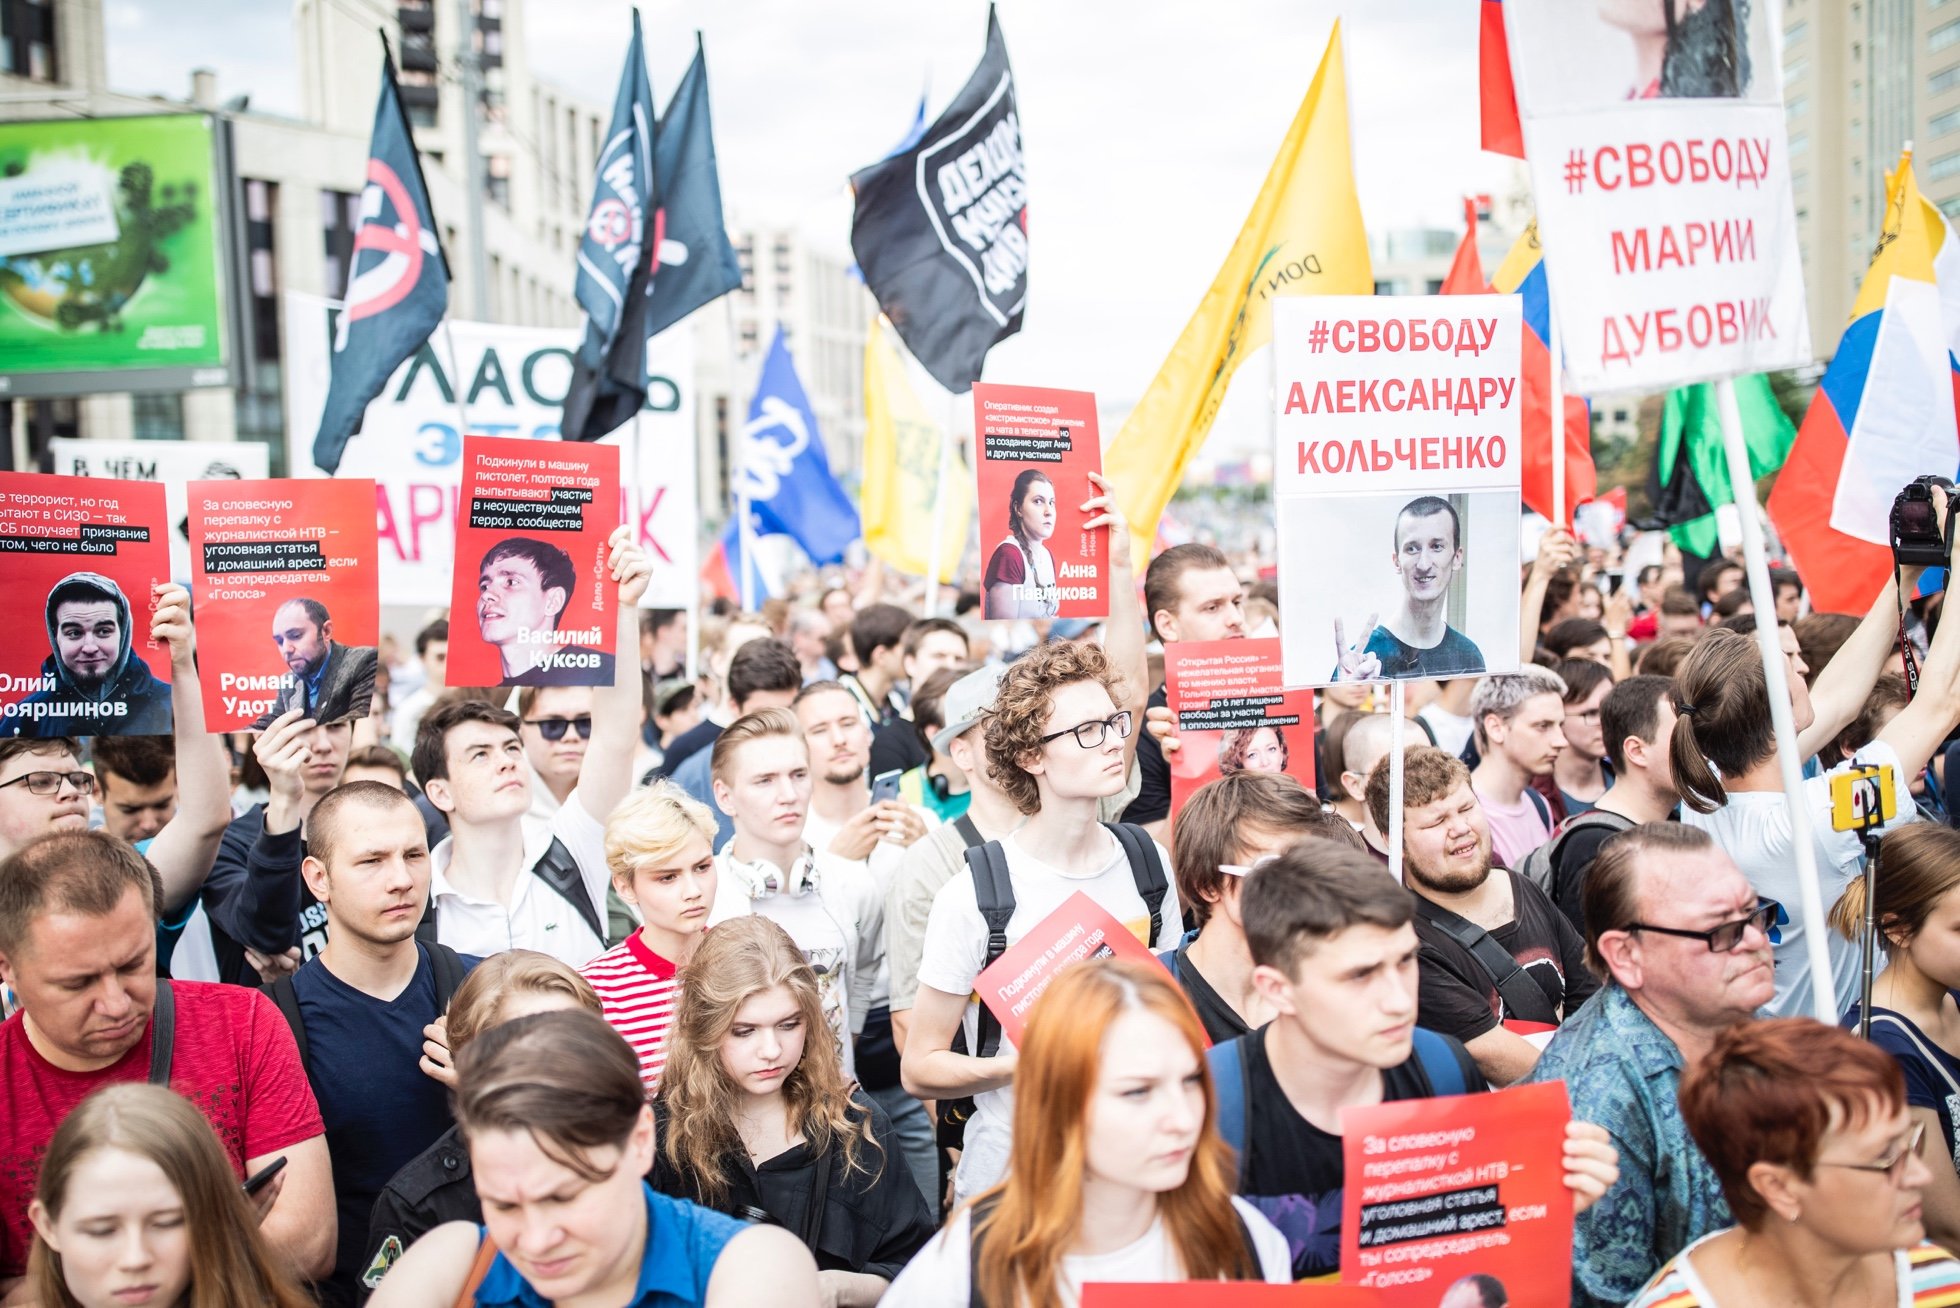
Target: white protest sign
(1396, 476)
(514, 386)
(1661, 169)
(174, 463)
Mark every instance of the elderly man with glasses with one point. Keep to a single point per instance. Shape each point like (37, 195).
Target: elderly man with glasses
(1684, 943)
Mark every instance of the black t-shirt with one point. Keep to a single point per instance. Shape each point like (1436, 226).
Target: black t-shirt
(1153, 801)
(1575, 855)
(897, 748)
(1459, 998)
(1292, 1170)
(1220, 1020)
(1455, 655)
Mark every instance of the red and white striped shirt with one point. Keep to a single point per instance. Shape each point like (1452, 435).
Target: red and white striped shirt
(638, 992)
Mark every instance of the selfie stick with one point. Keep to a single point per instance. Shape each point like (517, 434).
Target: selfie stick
(1863, 800)
(1868, 936)
(1776, 675)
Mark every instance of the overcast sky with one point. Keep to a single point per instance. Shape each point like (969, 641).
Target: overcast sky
(1148, 125)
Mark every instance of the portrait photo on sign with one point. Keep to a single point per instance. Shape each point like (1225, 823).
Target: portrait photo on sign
(1583, 54)
(1037, 448)
(1390, 587)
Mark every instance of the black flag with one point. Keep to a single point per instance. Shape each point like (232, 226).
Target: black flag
(941, 228)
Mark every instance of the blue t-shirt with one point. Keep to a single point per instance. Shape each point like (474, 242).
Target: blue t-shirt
(363, 1057)
(1932, 1073)
(684, 1241)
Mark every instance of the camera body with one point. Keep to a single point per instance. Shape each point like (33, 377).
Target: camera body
(1917, 537)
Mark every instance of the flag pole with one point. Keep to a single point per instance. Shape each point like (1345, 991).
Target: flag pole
(1397, 762)
(1742, 491)
(456, 373)
(936, 556)
(1559, 506)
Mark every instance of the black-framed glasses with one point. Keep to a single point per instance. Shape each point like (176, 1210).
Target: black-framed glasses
(1893, 1167)
(49, 783)
(554, 728)
(1723, 938)
(1091, 735)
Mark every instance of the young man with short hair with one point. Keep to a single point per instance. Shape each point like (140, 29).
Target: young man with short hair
(763, 674)
(555, 724)
(878, 641)
(432, 647)
(830, 906)
(1499, 963)
(78, 913)
(500, 881)
(1055, 744)
(720, 695)
(1364, 743)
(1680, 613)
(137, 779)
(1636, 722)
(1582, 771)
(1224, 829)
(930, 644)
(1417, 640)
(1717, 578)
(1682, 939)
(362, 1003)
(1519, 736)
(376, 763)
(663, 643)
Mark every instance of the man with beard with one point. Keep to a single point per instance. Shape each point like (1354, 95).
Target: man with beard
(328, 680)
(94, 685)
(1499, 962)
(1418, 641)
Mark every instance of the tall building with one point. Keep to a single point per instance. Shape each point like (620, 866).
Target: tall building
(1862, 78)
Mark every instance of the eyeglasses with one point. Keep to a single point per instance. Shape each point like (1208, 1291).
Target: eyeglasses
(1721, 939)
(554, 728)
(1091, 735)
(49, 783)
(1246, 869)
(1893, 1167)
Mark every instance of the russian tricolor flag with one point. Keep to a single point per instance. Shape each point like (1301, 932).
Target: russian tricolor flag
(1884, 412)
(1502, 133)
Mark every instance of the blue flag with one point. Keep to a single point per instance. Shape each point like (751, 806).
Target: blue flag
(615, 264)
(784, 469)
(695, 262)
(398, 286)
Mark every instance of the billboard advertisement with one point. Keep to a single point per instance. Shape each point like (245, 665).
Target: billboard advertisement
(112, 269)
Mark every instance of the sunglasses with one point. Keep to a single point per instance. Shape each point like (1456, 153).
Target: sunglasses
(554, 728)
(1720, 939)
(49, 783)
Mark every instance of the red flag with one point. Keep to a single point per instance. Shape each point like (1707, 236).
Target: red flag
(1467, 268)
(1502, 133)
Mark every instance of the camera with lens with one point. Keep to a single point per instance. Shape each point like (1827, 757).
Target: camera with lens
(1917, 538)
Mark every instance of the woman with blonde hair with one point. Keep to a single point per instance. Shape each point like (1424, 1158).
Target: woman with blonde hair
(1118, 1172)
(660, 849)
(755, 1120)
(137, 1207)
(437, 1187)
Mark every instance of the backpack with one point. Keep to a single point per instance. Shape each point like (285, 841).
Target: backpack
(1444, 1064)
(993, 894)
(1544, 866)
(446, 963)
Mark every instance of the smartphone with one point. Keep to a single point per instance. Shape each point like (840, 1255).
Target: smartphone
(263, 1177)
(884, 786)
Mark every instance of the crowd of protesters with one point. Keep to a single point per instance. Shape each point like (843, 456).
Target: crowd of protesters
(663, 992)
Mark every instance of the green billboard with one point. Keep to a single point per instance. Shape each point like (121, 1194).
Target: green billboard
(112, 265)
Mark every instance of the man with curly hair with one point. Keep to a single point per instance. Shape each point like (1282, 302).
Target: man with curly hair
(1054, 743)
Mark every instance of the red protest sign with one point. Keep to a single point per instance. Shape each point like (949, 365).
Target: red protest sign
(1234, 715)
(286, 580)
(1440, 1189)
(532, 601)
(1037, 448)
(1080, 929)
(1225, 1294)
(83, 557)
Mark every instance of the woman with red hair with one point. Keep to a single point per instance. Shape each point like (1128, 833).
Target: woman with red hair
(1806, 1127)
(1117, 1173)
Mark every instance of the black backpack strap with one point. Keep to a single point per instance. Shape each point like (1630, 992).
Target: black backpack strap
(1147, 870)
(982, 1208)
(559, 870)
(447, 965)
(1522, 997)
(971, 834)
(163, 1033)
(1592, 817)
(286, 1000)
(993, 894)
(1251, 1247)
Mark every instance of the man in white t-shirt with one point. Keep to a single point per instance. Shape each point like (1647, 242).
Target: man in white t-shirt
(830, 906)
(1055, 744)
(499, 881)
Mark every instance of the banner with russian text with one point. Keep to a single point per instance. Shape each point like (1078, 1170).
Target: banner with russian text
(284, 579)
(534, 603)
(511, 382)
(1074, 933)
(84, 559)
(174, 463)
(1233, 715)
(1036, 448)
(1396, 479)
(1226, 1294)
(1440, 1191)
(1661, 168)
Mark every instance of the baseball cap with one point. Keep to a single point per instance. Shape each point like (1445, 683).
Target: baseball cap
(966, 699)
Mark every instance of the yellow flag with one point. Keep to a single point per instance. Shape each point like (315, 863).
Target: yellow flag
(902, 450)
(1303, 237)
